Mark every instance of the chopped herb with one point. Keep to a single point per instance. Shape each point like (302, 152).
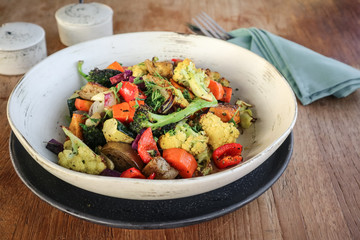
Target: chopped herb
(116, 89)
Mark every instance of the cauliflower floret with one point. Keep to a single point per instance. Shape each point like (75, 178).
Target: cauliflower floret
(183, 136)
(79, 157)
(196, 144)
(164, 69)
(219, 133)
(139, 70)
(172, 140)
(192, 78)
(84, 161)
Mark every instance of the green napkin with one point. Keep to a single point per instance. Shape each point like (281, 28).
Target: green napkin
(311, 75)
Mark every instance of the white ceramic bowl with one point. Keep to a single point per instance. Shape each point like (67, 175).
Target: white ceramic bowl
(37, 106)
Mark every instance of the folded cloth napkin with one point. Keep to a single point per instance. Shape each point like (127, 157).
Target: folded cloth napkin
(311, 75)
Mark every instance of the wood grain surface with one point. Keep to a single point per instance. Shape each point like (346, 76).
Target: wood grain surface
(317, 197)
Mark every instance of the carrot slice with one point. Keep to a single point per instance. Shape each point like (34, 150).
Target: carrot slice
(216, 89)
(227, 94)
(75, 127)
(181, 160)
(122, 112)
(225, 112)
(116, 66)
(83, 105)
(125, 111)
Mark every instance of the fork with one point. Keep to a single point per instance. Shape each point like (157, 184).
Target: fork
(206, 25)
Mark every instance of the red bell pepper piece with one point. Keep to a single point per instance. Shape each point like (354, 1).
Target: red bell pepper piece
(152, 176)
(132, 173)
(176, 60)
(129, 91)
(227, 155)
(147, 148)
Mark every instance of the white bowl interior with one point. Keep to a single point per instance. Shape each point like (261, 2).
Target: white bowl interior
(37, 106)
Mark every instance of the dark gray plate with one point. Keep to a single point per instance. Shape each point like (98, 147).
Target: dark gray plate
(135, 214)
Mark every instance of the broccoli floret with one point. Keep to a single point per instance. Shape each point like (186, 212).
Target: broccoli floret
(144, 118)
(93, 136)
(101, 77)
(80, 157)
(192, 78)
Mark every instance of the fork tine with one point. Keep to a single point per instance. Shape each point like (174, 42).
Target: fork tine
(216, 25)
(208, 27)
(202, 29)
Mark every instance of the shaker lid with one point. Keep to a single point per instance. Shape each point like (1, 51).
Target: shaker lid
(83, 14)
(20, 35)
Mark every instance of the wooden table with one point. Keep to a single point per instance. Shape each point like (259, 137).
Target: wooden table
(317, 197)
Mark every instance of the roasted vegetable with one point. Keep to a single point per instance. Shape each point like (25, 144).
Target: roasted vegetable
(80, 157)
(75, 125)
(160, 168)
(96, 75)
(125, 111)
(156, 95)
(115, 131)
(164, 69)
(166, 89)
(226, 112)
(192, 78)
(55, 146)
(246, 114)
(183, 136)
(138, 70)
(147, 148)
(181, 160)
(144, 118)
(216, 89)
(219, 133)
(132, 173)
(71, 102)
(217, 77)
(116, 66)
(90, 90)
(93, 136)
(83, 105)
(194, 142)
(227, 155)
(122, 155)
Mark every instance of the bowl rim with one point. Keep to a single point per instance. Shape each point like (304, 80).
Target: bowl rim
(248, 163)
